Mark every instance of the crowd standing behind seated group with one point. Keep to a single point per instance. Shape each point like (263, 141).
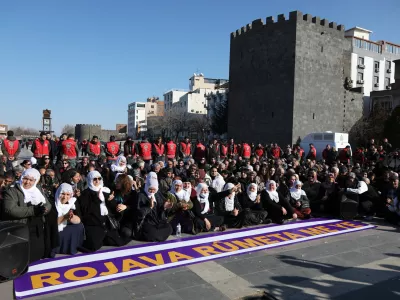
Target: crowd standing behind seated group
(145, 191)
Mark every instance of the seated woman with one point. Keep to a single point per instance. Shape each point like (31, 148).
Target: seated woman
(182, 210)
(277, 207)
(151, 214)
(70, 228)
(25, 203)
(392, 214)
(330, 201)
(205, 220)
(299, 201)
(251, 200)
(230, 208)
(123, 206)
(119, 166)
(99, 230)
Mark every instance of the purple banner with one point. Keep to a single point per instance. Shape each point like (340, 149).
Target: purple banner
(50, 276)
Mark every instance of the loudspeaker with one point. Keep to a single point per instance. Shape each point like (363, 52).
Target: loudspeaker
(14, 249)
(349, 206)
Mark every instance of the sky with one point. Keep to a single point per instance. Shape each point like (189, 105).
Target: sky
(86, 60)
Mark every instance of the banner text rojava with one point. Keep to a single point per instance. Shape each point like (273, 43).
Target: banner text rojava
(50, 276)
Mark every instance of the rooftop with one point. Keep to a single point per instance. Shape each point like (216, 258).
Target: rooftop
(359, 29)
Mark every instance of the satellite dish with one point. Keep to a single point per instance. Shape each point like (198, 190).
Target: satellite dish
(201, 74)
(194, 74)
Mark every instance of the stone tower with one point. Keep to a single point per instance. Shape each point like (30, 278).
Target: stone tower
(287, 79)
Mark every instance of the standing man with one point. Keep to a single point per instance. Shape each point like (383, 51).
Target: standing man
(130, 150)
(144, 150)
(158, 150)
(70, 149)
(94, 148)
(84, 145)
(41, 146)
(246, 151)
(53, 146)
(171, 149)
(185, 149)
(232, 149)
(112, 150)
(11, 147)
(213, 150)
(312, 154)
(199, 151)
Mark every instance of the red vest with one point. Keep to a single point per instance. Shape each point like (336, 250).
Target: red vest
(301, 152)
(159, 149)
(325, 153)
(259, 152)
(95, 148)
(234, 152)
(145, 150)
(224, 150)
(313, 153)
(171, 149)
(186, 148)
(41, 149)
(276, 152)
(113, 148)
(246, 151)
(68, 147)
(200, 151)
(11, 146)
(343, 156)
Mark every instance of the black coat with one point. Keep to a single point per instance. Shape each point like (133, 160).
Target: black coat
(275, 209)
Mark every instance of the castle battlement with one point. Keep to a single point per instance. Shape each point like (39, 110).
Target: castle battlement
(91, 125)
(294, 16)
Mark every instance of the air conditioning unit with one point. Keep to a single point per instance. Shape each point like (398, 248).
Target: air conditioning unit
(376, 85)
(389, 70)
(376, 70)
(361, 66)
(388, 87)
(360, 81)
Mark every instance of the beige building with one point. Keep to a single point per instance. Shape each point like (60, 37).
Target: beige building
(198, 81)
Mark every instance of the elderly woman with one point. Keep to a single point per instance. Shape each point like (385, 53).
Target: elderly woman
(278, 208)
(25, 203)
(119, 166)
(182, 209)
(151, 215)
(205, 219)
(299, 201)
(99, 227)
(70, 228)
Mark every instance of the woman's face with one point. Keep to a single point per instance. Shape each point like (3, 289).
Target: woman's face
(97, 181)
(76, 178)
(252, 189)
(118, 184)
(121, 163)
(204, 190)
(28, 182)
(272, 187)
(187, 185)
(178, 187)
(298, 186)
(271, 171)
(64, 197)
(65, 164)
(152, 190)
(28, 165)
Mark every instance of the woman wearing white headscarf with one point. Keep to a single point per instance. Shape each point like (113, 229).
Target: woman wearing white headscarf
(251, 200)
(26, 203)
(151, 218)
(119, 166)
(70, 228)
(299, 201)
(275, 204)
(182, 209)
(94, 203)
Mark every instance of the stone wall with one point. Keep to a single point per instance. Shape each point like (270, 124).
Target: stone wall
(87, 131)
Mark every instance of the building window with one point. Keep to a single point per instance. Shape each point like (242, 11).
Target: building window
(376, 79)
(361, 61)
(152, 106)
(360, 76)
(376, 66)
(388, 65)
(387, 82)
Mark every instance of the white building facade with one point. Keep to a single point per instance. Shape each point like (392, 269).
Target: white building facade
(136, 118)
(372, 66)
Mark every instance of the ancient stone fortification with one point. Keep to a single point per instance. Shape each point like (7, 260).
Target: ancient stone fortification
(287, 79)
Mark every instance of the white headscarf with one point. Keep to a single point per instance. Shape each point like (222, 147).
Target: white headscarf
(272, 194)
(230, 199)
(182, 194)
(100, 188)
(63, 209)
(296, 193)
(33, 194)
(151, 182)
(115, 167)
(252, 195)
(203, 198)
(218, 183)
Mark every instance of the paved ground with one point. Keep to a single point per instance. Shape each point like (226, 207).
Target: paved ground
(361, 265)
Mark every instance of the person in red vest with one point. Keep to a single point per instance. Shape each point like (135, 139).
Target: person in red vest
(382, 153)
(144, 150)
(259, 151)
(41, 146)
(232, 149)
(345, 155)
(130, 150)
(326, 151)
(185, 149)
(359, 156)
(84, 145)
(199, 152)
(171, 149)
(70, 149)
(246, 151)
(11, 147)
(158, 150)
(112, 150)
(312, 154)
(276, 151)
(94, 148)
(224, 151)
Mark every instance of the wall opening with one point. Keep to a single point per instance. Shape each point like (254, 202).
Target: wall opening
(313, 116)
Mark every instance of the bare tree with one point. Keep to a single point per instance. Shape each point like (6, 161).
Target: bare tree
(178, 122)
(199, 124)
(68, 129)
(19, 130)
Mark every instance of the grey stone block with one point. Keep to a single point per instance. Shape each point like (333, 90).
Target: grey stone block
(164, 296)
(183, 280)
(107, 292)
(252, 265)
(145, 287)
(201, 292)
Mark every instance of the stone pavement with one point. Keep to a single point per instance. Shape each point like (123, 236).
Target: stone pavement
(361, 265)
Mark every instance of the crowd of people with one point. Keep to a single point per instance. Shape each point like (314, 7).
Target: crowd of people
(150, 190)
